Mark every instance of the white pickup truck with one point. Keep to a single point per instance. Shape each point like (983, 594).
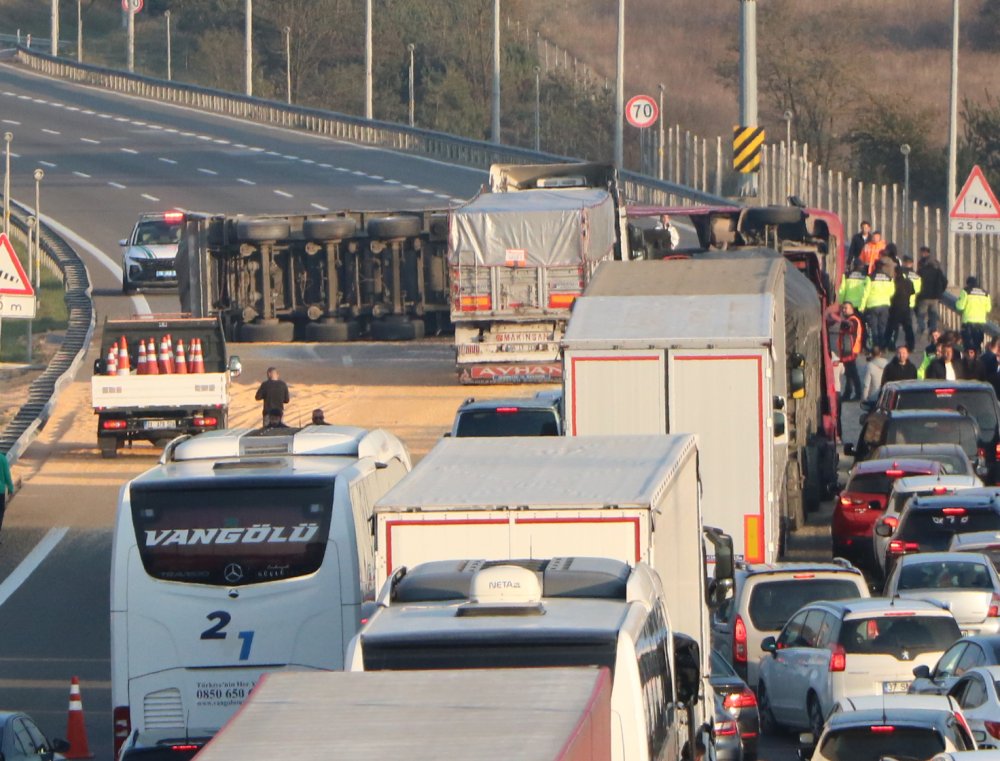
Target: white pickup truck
(158, 407)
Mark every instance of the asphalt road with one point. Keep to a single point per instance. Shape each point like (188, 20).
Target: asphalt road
(106, 159)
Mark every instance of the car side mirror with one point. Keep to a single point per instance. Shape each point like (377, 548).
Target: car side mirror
(922, 672)
(849, 450)
(979, 737)
(769, 645)
(123, 242)
(235, 367)
(883, 529)
(58, 746)
(98, 367)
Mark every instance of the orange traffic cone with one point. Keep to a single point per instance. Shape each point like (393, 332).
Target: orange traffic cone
(166, 361)
(197, 358)
(123, 364)
(170, 353)
(111, 366)
(151, 366)
(141, 367)
(180, 361)
(76, 730)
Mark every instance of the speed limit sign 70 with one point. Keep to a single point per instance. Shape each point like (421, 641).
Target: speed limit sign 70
(642, 111)
(133, 6)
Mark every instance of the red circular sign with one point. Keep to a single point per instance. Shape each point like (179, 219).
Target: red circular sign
(641, 111)
(133, 6)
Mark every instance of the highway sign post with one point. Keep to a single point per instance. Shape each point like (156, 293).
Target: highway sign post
(976, 209)
(17, 297)
(642, 111)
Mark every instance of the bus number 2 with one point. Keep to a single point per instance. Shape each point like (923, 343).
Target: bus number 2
(217, 631)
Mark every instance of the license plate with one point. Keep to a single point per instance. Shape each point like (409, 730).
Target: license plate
(895, 688)
(158, 425)
(166, 273)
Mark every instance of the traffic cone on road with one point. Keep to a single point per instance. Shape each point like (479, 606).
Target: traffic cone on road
(76, 730)
(180, 361)
(111, 366)
(142, 368)
(197, 358)
(123, 363)
(152, 368)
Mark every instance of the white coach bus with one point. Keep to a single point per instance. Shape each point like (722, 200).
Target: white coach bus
(243, 552)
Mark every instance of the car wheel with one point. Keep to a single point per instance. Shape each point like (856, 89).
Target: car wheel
(109, 448)
(768, 724)
(816, 720)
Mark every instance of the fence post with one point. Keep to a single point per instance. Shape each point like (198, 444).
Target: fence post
(894, 213)
(687, 158)
(718, 165)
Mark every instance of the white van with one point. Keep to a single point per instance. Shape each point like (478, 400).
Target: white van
(573, 611)
(242, 552)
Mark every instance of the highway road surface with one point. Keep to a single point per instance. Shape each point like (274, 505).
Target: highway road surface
(106, 159)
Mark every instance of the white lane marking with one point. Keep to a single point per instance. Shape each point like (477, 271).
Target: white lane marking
(15, 155)
(31, 562)
(166, 160)
(48, 131)
(139, 303)
(245, 181)
(392, 182)
(171, 130)
(24, 97)
(105, 116)
(133, 151)
(84, 175)
(8, 92)
(239, 145)
(272, 153)
(187, 134)
(48, 164)
(320, 207)
(39, 100)
(342, 169)
(206, 171)
(445, 196)
(139, 124)
(220, 141)
(11, 121)
(90, 140)
(307, 161)
(72, 108)
(121, 118)
(257, 150)
(117, 185)
(359, 173)
(410, 187)
(148, 197)
(377, 177)
(283, 194)
(425, 191)
(57, 105)
(154, 126)
(87, 112)
(326, 166)
(347, 360)
(206, 138)
(289, 157)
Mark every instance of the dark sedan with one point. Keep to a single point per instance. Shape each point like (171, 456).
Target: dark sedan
(740, 701)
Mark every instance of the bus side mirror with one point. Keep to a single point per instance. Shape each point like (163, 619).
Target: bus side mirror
(235, 367)
(687, 657)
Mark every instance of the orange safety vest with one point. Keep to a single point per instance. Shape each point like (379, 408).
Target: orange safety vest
(871, 253)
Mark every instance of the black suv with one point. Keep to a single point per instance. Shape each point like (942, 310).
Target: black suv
(975, 398)
(929, 522)
(540, 415)
(937, 426)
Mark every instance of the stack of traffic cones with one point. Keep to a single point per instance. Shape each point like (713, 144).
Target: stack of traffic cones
(141, 367)
(180, 361)
(152, 367)
(197, 358)
(111, 366)
(76, 730)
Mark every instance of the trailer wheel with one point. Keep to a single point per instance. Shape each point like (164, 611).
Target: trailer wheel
(266, 332)
(334, 331)
(109, 447)
(812, 492)
(394, 328)
(774, 215)
(439, 227)
(259, 230)
(329, 228)
(395, 227)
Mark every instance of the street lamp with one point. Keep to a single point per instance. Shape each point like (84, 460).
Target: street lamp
(905, 150)
(79, 31)
(410, 48)
(620, 90)
(538, 108)
(952, 264)
(170, 59)
(659, 171)
(788, 152)
(34, 261)
(288, 63)
(495, 121)
(248, 48)
(369, 108)
(7, 138)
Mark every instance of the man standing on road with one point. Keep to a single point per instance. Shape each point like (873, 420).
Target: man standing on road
(875, 305)
(948, 366)
(6, 485)
(933, 284)
(273, 393)
(872, 251)
(900, 314)
(974, 305)
(851, 332)
(991, 364)
(858, 242)
(900, 368)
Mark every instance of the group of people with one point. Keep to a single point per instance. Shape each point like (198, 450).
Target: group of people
(274, 395)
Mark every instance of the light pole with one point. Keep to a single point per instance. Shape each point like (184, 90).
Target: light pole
(288, 63)
(495, 123)
(248, 49)
(34, 264)
(788, 152)
(130, 55)
(79, 31)
(659, 170)
(538, 108)
(748, 82)
(620, 90)
(55, 28)
(905, 150)
(170, 58)
(952, 270)
(7, 138)
(410, 48)
(369, 110)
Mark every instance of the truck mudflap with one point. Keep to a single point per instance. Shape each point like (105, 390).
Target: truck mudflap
(499, 373)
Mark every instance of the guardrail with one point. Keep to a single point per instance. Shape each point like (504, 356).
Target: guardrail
(437, 145)
(44, 390)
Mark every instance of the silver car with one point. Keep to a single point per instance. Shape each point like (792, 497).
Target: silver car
(977, 694)
(967, 583)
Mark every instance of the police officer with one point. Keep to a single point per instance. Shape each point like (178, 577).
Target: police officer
(975, 306)
(852, 285)
(875, 305)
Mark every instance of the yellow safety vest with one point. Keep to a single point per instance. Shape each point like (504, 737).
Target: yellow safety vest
(879, 292)
(852, 288)
(975, 306)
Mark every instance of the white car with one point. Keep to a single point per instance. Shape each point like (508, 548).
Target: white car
(986, 542)
(902, 490)
(965, 582)
(829, 651)
(976, 693)
(149, 254)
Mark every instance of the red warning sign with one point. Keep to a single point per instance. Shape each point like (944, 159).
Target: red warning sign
(976, 209)
(17, 297)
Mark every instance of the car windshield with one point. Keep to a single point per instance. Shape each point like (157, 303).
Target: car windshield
(872, 743)
(772, 603)
(900, 634)
(880, 483)
(933, 529)
(949, 574)
(993, 553)
(980, 403)
(952, 463)
(507, 421)
(158, 233)
(934, 430)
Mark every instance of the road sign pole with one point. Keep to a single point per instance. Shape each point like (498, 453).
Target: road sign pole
(620, 90)
(131, 38)
(748, 82)
(951, 266)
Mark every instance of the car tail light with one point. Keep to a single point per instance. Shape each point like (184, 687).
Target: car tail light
(994, 610)
(882, 728)
(725, 728)
(996, 451)
(897, 547)
(899, 613)
(123, 726)
(891, 521)
(114, 425)
(981, 453)
(940, 489)
(895, 473)
(944, 392)
(739, 641)
(803, 576)
(183, 748)
(206, 422)
(173, 216)
(507, 410)
(953, 511)
(838, 658)
(993, 727)
(742, 699)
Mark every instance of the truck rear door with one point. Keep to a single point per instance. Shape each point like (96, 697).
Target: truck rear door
(615, 392)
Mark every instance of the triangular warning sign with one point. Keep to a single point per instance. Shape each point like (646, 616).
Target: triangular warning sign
(976, 201)
(13, 281)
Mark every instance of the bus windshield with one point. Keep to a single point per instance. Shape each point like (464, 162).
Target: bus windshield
(233, 536)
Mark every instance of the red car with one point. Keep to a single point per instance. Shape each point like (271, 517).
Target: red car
(863, 500)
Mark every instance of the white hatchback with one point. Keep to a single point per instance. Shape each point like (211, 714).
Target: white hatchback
(829, 651)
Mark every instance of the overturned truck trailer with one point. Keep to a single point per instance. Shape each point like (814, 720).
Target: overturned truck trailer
(317, 277)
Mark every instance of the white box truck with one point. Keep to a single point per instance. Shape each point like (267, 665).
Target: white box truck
(541, 714)
(711, 364)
